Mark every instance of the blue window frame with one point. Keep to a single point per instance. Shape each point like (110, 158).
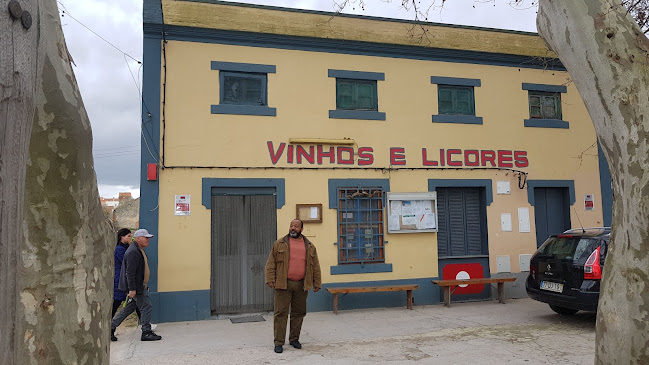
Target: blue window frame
(545, 106)
(243, 89)
(360, 225)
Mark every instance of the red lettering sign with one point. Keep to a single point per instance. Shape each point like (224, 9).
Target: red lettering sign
(365, 156)
(397, 156)
(505, 158)
(424, 159)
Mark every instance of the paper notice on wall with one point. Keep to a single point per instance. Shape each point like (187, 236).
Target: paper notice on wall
(409, 220)
(393, 223)
(407, 208)
(183, 206)
(314, 213)
(395, 207)
(428, 208)
(429, 221)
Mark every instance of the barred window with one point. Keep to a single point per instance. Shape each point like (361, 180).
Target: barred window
(360, 225)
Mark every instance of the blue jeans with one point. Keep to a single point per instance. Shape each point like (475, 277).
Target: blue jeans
(141, 302)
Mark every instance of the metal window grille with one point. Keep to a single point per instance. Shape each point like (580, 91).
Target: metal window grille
(360, 225)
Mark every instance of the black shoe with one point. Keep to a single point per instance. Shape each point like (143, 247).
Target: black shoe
(279, 349)
(112, 335)
(150, 336)
(296, 344)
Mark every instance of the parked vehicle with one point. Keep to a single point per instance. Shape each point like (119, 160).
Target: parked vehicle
(566, 270)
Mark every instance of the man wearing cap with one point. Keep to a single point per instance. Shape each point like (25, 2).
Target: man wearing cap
(133, 279)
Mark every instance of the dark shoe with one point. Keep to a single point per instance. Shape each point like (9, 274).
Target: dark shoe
(296, 344)
(112, 335)
(150, 336)
(279, 349)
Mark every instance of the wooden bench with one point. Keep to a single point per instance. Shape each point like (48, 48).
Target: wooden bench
(367, 289)
(448, 284)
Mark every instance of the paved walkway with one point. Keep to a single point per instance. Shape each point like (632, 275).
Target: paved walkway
(522, 331)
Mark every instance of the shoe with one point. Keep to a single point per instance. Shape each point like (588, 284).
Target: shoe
(112, 335)
(296, 344)
(278, 349)
(150, 336)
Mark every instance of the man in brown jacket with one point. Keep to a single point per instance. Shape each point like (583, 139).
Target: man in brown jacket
(292, 269)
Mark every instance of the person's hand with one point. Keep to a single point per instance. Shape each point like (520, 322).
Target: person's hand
(131, 294)
(315, 290)
(271, 285)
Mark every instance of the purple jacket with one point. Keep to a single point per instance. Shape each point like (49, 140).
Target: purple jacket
(119, 256)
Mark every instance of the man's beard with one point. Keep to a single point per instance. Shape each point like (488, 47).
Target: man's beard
(293, 234)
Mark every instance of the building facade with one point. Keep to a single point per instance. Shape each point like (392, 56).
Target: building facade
(412, 151)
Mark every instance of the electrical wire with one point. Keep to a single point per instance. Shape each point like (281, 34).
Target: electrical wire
(66, 12)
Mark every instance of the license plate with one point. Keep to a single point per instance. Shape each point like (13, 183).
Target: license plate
(555, 287)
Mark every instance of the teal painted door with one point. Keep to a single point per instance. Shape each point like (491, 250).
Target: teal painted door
(244, 228)
(551, 212)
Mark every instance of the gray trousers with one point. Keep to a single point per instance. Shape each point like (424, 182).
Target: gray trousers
(141, 302)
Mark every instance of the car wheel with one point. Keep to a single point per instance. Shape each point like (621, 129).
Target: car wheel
(564, 311)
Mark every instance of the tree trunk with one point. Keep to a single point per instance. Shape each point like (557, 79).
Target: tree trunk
(18, 65)
(607, 57)
(57, 279)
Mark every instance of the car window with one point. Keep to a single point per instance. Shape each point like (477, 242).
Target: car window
(576, 249)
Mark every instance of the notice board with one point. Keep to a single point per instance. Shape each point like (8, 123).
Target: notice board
(412, 212)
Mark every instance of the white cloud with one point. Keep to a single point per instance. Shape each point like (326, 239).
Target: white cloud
(112, 191)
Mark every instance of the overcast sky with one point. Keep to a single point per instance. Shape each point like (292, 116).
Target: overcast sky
(109, 78)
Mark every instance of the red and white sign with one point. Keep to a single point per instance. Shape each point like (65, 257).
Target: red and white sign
(470, 270)
(589, 202)
(183, 206)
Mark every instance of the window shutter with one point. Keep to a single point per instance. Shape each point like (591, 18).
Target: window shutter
(364, 96)
(345, 95)
(456, 222)
(442, 234)
(445, 97)
(463, 102)
(473, 221)
(549, 107)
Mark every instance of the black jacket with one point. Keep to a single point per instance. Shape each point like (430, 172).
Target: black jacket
(132, 275)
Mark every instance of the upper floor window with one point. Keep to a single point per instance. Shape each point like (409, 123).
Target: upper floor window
(455, 100)
(243, 88)
(357, 95)
(545, 106)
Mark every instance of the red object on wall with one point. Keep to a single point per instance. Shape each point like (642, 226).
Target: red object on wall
(152, 171)
(464, 271)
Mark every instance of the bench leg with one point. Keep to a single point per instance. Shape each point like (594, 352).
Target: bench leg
(501, 292)
(447, 296)
(336, 303)
(409, 296)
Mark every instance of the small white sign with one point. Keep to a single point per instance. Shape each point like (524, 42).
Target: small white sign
(589, 202)
(183, 206)
(503, 187)
(523, 219)
(506, 222)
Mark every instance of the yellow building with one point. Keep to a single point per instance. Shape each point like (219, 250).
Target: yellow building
(408, 157)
